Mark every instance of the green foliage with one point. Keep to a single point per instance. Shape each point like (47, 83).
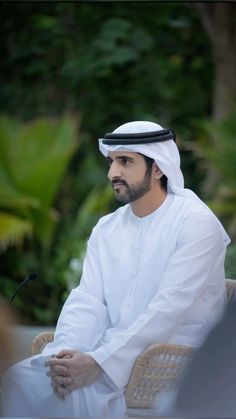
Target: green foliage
(33, 158)
(13, 230)
(218, 147)
(109, 62)
(230, 262)
(114, 62)
(47, 145)
(67, 260)
(223, 154)
(118, 44)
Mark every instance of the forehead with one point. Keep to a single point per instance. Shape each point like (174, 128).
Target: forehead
(118, 154)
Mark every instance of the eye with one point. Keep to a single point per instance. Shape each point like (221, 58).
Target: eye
(125, 161)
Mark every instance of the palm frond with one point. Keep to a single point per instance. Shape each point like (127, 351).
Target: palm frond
(13, 230)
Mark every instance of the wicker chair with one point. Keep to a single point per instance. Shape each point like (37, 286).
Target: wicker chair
(158, 368)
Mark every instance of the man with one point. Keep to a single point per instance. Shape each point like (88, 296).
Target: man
(154, 272)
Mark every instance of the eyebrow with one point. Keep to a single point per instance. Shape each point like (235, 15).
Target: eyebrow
(120, 158)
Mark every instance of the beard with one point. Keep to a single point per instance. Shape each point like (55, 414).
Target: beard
(130, 193)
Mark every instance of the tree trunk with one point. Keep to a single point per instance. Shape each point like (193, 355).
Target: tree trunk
(218, 20)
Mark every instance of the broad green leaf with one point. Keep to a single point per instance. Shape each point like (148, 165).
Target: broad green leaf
(33, 158)
(13, 230)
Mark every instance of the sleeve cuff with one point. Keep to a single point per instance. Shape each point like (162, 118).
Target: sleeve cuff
(115, 375)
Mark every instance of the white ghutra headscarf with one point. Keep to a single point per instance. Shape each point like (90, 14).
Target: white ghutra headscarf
(165, 154)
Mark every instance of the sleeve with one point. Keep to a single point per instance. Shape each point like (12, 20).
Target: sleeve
(84, 316)
(198, 257)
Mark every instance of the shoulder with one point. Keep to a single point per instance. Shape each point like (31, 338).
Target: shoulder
(113, 217)
(190, 208)
(110, 221)
(198, 221)
(109, 218)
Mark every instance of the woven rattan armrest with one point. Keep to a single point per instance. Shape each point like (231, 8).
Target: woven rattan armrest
(40, 341)
(231, 289)
(158, 368)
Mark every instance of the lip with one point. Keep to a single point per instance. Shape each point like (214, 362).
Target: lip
(118, 185)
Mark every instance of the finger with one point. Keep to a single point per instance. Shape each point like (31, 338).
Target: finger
(65, 353)
(46, 363)
(59, 380)
(62, 391)
(70, 388)
(80, 382)
(58, 396)
(65, 357)
(59, 370)
(52, 363)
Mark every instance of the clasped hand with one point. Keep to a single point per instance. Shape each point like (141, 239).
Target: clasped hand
(71, 369)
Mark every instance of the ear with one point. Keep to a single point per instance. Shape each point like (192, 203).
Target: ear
(157, 172)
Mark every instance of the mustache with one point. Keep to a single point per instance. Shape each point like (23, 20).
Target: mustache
(118, 181)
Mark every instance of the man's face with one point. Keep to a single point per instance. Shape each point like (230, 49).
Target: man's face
(128, 176)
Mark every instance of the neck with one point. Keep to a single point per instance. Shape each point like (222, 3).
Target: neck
(148, 203)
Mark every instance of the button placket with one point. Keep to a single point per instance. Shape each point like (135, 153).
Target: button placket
(137, 250)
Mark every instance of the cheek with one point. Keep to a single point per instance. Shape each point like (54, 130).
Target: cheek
(137, 177)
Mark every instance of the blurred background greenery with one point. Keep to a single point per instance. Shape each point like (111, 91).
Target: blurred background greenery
(71, 72)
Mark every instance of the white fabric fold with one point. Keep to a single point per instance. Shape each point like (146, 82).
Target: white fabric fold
(78, 326)
(189, 279)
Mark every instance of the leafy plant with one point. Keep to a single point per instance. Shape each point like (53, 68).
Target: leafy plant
(217, 147)
(132, 61)
(230, 262)
(33, 158)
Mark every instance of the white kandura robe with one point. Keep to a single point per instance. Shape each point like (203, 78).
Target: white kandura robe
(159, 278)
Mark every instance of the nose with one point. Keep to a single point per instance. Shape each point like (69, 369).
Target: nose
(114, 171)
